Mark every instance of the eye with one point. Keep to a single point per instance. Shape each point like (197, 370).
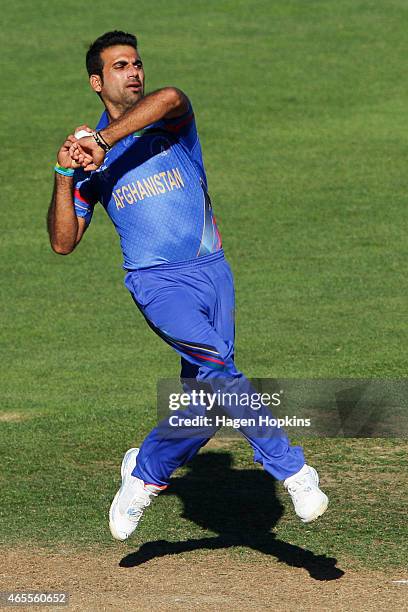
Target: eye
(139, 64)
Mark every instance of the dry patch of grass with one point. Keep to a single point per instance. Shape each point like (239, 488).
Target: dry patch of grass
(13, 417)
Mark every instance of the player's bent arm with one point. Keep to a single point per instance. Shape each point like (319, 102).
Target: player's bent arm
(65, 229)
(168, 102)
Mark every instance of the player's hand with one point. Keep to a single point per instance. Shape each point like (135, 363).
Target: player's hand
(87, 153)
(63, 156)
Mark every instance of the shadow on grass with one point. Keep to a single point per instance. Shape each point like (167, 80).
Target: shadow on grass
(242, 507)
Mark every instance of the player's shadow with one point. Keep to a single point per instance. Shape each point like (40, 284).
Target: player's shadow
(242, 507)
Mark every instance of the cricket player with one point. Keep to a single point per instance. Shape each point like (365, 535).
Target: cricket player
(143, 163)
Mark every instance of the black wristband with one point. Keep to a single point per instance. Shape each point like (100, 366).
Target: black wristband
(101, 141)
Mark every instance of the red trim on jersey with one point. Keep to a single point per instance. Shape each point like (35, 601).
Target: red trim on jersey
(206, 358)
(178, 126)
(78, 196)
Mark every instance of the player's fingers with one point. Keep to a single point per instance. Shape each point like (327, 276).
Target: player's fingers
(78, 154)
(71, 138)
(85, 158)
(90, 167)
(75, 164)
(75, 150)
(87, 162)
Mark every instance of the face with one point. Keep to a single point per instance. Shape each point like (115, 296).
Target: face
(123, 78)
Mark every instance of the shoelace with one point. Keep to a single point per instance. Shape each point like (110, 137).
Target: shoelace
(142, 501)
(301, 485)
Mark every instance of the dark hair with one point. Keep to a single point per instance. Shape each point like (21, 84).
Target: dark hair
(94, 63)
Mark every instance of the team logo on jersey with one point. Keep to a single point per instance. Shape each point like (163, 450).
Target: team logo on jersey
(160, 146)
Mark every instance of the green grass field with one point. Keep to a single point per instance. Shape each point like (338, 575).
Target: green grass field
(302, 111)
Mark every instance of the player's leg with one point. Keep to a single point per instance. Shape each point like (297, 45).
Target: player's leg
(277, 456)
(271, 445)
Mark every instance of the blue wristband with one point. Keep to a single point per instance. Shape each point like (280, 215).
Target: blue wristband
(64, 171)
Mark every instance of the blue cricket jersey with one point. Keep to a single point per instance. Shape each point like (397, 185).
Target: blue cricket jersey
(153, 186)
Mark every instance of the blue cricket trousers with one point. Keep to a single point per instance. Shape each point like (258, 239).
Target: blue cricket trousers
(190, 305)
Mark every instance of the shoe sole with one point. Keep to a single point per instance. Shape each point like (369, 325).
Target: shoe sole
(320, 510)
(124, 474)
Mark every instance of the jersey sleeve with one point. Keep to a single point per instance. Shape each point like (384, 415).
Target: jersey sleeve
(85, 196)
(183, 127)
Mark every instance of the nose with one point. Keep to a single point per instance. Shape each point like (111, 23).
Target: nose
(134, 72)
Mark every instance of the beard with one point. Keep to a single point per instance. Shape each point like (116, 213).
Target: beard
(132, 97)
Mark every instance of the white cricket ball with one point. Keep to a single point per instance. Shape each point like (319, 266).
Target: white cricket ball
(82, 134)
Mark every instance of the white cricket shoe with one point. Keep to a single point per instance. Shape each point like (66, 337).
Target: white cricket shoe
(303, 487)
(131, 500)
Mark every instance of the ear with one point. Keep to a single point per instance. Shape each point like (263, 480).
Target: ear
(96, 82)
